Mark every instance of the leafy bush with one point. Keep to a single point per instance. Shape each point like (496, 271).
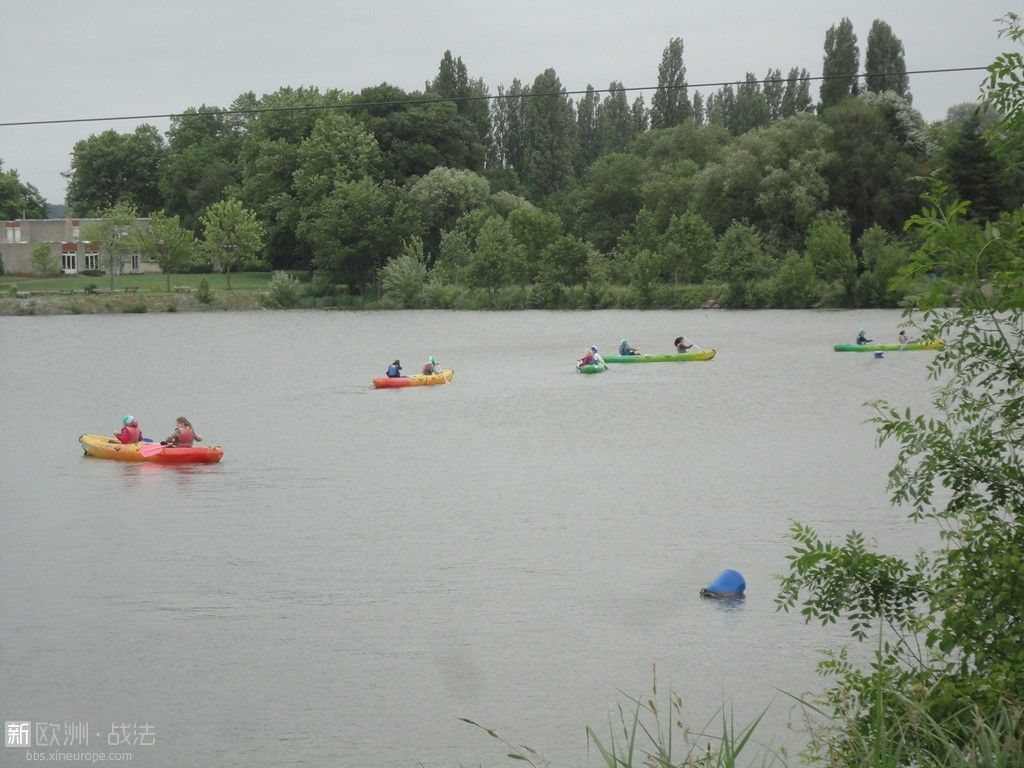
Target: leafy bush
(136, 307)
(283, 292)
(203, 293)
(404, 276)
(92, 273)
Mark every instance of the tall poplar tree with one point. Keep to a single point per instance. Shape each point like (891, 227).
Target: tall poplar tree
(639, 114)
(671, 105)
(839, 67)
(884, 64)
(751, 109)
(698, 108)
(507, 131)
(774, 86)
(614, 120)
(549, 132)
(588, 145)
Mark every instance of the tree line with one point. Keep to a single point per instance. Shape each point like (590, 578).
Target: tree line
(750, 195)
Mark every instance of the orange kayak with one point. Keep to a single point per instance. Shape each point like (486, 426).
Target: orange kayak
(103, 447)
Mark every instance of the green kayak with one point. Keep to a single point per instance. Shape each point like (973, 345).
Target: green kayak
(911, 347)
(590, 368)
(674, 357)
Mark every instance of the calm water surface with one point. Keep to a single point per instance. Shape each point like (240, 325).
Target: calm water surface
(365, 567)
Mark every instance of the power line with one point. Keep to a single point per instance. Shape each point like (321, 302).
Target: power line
(461, 99)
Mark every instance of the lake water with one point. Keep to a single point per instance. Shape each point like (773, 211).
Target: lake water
(366, 567)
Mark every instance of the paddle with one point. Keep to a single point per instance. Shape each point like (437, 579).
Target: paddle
(146, 450)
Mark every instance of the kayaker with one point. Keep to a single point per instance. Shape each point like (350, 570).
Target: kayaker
(681, 344)
(130, 431)
(596, 359)
(625, 349)
(431, 366)
(904, 339)
(184, 434)
(395, 370)
(861, 338)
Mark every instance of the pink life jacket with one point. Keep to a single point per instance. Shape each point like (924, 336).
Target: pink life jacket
(130, 433)
(184, 437)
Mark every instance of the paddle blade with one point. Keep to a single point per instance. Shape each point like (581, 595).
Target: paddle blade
(150, 449)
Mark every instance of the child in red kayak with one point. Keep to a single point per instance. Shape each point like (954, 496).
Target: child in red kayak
(130, 432)
(184, 434)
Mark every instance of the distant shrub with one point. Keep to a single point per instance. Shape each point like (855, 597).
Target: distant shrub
(203, 293)
(135, 308)
(171, 307)
(283, 292)
(92, 272)
(75, 309)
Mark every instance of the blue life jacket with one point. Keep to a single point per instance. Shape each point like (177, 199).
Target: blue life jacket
(394, 371)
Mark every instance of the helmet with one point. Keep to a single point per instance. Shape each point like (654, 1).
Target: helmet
(397, 362)
(624, 341)
(860, 330)
(127, 419)
(431, 358)
(593, 349)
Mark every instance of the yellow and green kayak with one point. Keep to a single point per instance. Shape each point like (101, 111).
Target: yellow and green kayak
(673, 357)
(913, 346)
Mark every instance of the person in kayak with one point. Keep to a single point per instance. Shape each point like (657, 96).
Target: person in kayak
(625, 349)
(431, 366)
(130, 431)
(904, 339)
(592, 357)
(395, 370)
(861, 338)
(183, 436)
(681, 344)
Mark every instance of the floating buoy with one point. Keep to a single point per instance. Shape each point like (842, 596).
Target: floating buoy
(879, 355)
(728, 583)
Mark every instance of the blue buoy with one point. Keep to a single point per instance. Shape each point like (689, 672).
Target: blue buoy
(728, 583)
(879, 355)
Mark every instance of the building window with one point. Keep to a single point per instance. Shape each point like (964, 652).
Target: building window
(69, 262)
(75, 230)
(135, 262)
(13, 232)
(92, 261)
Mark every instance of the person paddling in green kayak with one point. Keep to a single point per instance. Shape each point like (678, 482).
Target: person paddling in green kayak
(625, 349)
(682, 344)
(592, 357)
(862, 339)
(130, 432)
(904, 339)
(184, 434)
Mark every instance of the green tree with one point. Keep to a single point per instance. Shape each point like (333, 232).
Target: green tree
(508, 121)
(840, 64)
(564, 262)
(644, 270)
(470, 98)
(19, 200)
(947, 622)
(882, 258)
(44, 259)
(201, 162)
(774, 90)
(496, 258)
(232, 236)
(587, 140)
(549, 132)
(973, 170)
(740, 261)
(534, 230)
(337, 150)
(404, 275)
(111, 168)
(615, 125)
(698, 108)
(885, 66)
(356, 230)
(610, 198)
(829, 250)
(173, 246)
(689, 245)
(116, 234)
(795, 284)
(797, 96)
(751, 110)
(670, 104)
(442, 196)
(453, 257)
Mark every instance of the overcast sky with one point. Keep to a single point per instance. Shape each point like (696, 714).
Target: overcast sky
(99, 58)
